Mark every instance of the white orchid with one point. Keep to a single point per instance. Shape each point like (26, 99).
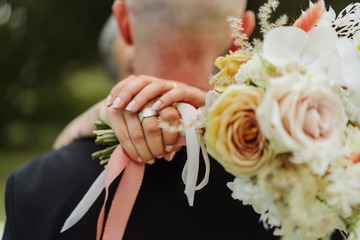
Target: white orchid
(344, 71)
(314, 50)
(349, 53)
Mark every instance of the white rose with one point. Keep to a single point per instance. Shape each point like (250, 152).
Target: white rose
(299, 113)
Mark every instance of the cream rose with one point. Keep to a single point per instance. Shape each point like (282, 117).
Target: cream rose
(232, 134)
(300, 113)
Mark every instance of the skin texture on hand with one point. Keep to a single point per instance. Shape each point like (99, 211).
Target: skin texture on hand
(143, 141)
(135, 91)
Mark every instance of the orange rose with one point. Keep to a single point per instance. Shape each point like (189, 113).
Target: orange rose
(232, 134)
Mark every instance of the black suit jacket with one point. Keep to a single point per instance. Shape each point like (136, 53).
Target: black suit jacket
(41, 194)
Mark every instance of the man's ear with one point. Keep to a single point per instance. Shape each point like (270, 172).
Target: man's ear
(121, 14)
(248, 19)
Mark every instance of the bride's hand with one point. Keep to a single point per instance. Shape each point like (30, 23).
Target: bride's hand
(135, 91)
(143, 140)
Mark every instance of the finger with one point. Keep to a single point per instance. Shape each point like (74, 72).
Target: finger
(191, 95)
(170, 119)
(118, 124)
(148, 93)
(137, 136)
(153, 136)
(170, 155)
(112, 97)
(124, 93)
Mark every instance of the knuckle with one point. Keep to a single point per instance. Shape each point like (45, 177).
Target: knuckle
(161, 84)
(170, 115)
(180, 91)
(170, 138)
(123, 137)
(137, 136)
(114, 91)
(143, 78)
(126, 91)
(141, 97)
(151, 128)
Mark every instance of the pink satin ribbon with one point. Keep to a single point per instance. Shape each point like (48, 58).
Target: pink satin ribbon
(125, 195)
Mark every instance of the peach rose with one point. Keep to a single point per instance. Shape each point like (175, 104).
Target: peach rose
(232, 134)
(300, 113)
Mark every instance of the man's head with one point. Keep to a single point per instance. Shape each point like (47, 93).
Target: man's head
(177, 39)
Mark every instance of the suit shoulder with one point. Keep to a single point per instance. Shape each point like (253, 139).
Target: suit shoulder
(41, 193)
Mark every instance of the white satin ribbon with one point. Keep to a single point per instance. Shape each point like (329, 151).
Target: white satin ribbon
(193, 145)
(86, 202)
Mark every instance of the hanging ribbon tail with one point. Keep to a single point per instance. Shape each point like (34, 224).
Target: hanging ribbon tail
(191, 168)
(124, 200)
(117, 163)
(205, 181)
(86, 202)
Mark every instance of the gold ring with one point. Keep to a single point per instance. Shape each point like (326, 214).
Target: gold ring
(174, 84)
(147, 112)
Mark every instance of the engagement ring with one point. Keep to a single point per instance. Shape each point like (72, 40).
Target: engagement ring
(147, 112)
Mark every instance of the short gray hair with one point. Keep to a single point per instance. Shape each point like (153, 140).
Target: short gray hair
(182, 13)
(109, 33)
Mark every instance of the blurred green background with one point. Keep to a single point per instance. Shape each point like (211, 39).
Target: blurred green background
(50, 70)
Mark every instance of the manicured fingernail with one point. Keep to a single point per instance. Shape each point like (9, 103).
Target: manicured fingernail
(116, 103)
(172, 156)
(139, 160)
(108, 100)
(151, 162)
(156, 105)
(131, 105)
(159, 157)
(168, 148)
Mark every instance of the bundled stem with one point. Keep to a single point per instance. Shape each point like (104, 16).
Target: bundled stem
(104, 136)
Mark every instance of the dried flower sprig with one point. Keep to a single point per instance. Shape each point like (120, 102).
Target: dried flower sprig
(264, 16)
(240, 39)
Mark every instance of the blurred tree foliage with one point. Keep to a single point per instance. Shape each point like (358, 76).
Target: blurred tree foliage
(42, 45)
(49, 65)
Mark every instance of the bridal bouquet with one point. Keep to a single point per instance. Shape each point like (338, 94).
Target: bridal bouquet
(284, 119)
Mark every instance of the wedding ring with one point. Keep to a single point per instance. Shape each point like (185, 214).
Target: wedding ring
(147, 112)
(174, 84)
